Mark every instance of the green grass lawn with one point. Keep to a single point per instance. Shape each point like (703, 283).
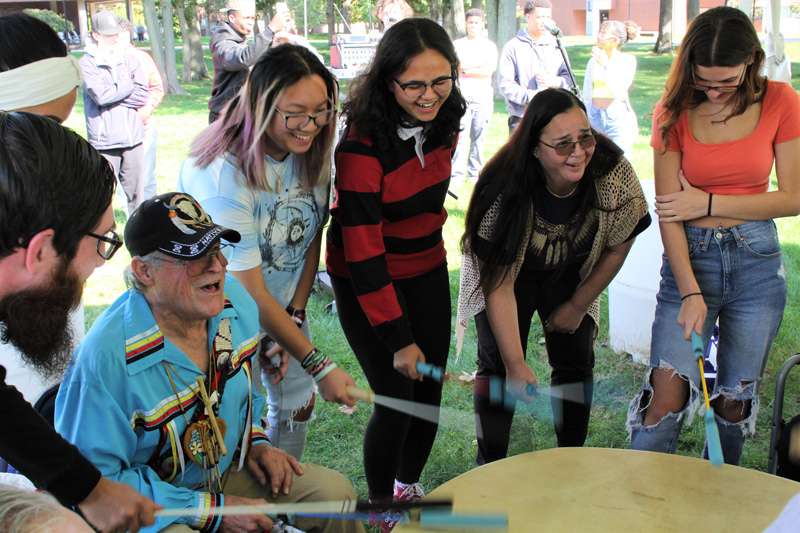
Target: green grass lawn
(335, 439)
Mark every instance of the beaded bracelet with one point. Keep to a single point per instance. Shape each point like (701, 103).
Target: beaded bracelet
(298, 315)
(317, 364)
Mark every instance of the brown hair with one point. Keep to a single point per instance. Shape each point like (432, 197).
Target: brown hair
(720, 37)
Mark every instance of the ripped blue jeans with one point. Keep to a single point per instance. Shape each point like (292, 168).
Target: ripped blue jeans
(284, 399)
(741, 274)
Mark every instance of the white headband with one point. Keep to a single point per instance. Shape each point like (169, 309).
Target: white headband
(39, 82)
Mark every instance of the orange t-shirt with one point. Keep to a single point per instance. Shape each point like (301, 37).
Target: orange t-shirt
(742, 166)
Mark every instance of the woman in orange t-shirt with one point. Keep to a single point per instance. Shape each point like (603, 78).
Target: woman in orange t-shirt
(716, 133)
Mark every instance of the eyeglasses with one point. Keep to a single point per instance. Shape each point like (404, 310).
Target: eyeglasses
(108, 244)
(719, 88)
(415, 89)
(198, 267)
(567, 147)
(297, 121)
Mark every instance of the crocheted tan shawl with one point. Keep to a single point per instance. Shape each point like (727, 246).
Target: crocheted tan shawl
(622, 203)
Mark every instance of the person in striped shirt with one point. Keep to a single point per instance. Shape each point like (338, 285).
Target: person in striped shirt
(385, 252)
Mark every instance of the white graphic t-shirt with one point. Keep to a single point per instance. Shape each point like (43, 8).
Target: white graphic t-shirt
(277, 227)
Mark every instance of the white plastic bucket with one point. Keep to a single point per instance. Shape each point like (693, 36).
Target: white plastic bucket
(632, 294)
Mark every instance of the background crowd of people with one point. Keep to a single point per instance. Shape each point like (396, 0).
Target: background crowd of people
(222, 270)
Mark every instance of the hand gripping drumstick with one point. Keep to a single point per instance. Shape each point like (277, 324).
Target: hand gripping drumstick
(712, 431)
(498, 394)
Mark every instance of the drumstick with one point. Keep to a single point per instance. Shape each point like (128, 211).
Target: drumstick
(712, 431)
(434, 372)
(310, 508)
(443, 520)
(210, 410)
(572, 392)
(420, 410)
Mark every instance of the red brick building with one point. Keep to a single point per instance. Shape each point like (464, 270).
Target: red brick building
(581, 17)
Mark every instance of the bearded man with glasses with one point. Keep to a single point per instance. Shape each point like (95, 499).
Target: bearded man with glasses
(56, 227)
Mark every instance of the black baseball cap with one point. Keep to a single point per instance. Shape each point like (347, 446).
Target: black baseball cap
(174, 224)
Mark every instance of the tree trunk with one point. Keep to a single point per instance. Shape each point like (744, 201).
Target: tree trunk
(346, 15)
(154, 31)
(459, 22)
(171, 84)
(331, 17)
(186, 74)
(476, 4)
(199, 67)
(447, 18)
(664, 41)
(501, 21)
(692, 9)
(434, 4)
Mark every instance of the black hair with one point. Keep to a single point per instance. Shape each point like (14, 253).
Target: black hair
(475, 12)
(241, 129)
(530, 5)
(25, 39)
(513, 175)
(372, 107)
(50, 178)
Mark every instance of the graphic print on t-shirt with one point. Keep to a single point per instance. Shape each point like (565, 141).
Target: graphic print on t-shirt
(287, 237)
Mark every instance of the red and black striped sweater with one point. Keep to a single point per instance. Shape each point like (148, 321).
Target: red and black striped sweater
(387, 220)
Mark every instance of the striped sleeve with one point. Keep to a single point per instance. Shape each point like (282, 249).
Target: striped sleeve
(360, 210)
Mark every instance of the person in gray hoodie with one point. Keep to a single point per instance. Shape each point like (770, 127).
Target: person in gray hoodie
(114, 87)
(530, 62)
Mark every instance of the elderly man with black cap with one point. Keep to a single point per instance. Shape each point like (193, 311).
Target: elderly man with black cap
(115, 86)
(160, 394)
(232, 55)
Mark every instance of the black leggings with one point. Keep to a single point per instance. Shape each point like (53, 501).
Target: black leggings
(396, 445)
(570, 356)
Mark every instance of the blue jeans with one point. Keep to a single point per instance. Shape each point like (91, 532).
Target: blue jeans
(618, 123)
(741, 274)
(284, 399)
(474, 130)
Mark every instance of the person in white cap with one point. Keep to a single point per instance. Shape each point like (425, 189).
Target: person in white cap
(115, 87)
(232, 55)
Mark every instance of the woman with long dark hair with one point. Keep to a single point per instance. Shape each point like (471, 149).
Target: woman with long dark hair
(263, 168)
(385, 251)
(717, 132)
(549, 225)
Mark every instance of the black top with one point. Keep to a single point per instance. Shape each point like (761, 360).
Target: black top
(37, 451)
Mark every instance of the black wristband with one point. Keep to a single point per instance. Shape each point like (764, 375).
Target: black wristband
(691, 294)
(710, 197)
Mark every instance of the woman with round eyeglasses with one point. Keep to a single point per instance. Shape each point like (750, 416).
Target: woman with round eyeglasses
(717, 132)
(263, 168)
(549, 225)
(385, 251)
(609, 75)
